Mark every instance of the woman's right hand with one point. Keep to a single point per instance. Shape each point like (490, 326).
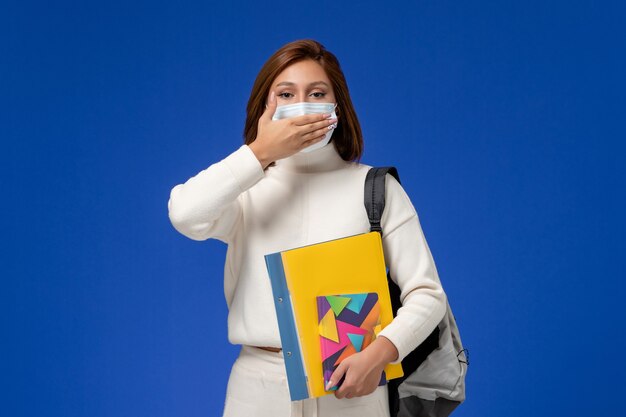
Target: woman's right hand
(278, 139)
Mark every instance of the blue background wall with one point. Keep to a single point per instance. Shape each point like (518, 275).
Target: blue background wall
(506, 122)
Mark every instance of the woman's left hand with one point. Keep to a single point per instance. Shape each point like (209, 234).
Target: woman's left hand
(363, 370)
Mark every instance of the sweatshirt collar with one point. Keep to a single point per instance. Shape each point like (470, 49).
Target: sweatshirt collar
(323, 159)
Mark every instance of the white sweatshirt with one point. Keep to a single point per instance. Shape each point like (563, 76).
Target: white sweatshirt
(304, 199)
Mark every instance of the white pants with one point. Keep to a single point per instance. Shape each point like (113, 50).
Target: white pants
(257, 386)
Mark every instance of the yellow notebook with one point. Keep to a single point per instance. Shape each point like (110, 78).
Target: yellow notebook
(347, 266)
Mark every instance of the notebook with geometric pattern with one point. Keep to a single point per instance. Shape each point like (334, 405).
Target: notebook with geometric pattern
(348, 323)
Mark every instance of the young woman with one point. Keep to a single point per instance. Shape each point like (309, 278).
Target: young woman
(298, 181)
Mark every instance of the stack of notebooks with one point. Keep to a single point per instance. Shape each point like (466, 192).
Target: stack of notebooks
(331, 299)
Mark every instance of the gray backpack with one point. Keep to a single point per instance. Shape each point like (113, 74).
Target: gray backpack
(433, 384)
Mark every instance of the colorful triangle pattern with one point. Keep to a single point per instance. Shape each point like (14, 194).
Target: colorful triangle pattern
(356, 302)
(337, 303)
(328, 327)
(348, 323)
(357, 341)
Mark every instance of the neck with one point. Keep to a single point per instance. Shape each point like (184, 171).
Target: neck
(323, 159)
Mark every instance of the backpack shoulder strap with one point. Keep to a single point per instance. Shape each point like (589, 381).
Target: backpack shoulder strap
(375, 194)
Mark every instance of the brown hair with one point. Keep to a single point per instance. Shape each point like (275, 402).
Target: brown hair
(347, 137)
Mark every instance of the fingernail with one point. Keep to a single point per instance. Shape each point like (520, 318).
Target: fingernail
(329, 385)
(327, 115)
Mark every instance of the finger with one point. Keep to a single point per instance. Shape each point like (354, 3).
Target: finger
(309, 118)
(326, 124)
(270, 107)
(318, 134)
(344, 391)
(337, 375)
(307, 143)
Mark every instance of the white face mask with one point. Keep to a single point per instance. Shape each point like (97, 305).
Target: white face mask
(300, 109)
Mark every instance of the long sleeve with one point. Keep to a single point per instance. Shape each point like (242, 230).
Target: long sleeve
(207, 205)
(412, 267)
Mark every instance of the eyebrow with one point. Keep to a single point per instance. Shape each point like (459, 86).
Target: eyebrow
(290, 84)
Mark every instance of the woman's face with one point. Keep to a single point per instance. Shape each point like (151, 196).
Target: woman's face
(304, 81)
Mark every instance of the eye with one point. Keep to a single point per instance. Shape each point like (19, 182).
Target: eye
(321, 94)
(283, 95)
